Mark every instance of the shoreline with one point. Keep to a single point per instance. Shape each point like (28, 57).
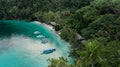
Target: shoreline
(48, 26)
(79, 37)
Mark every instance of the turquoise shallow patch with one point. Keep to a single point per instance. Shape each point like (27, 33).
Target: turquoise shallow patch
(20, 47)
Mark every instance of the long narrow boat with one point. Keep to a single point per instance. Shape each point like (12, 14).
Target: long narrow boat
(48, 51)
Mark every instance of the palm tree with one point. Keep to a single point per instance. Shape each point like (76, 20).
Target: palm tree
(61, 62)
(91, 53)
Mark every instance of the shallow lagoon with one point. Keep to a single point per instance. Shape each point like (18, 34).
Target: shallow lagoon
(21, 46)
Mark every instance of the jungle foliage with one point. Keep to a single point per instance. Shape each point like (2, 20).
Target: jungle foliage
(97, 21)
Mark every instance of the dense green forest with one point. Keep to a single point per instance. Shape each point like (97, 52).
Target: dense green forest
(97, 21)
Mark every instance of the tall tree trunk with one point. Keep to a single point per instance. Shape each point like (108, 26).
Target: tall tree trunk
(92, 64)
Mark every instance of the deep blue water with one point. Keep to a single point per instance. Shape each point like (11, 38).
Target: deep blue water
(20, 46)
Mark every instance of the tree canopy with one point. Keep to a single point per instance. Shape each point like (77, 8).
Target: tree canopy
(96, 21)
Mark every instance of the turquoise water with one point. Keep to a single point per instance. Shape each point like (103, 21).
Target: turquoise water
(20, 46)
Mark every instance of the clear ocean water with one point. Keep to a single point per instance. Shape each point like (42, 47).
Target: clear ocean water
(21, 44)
